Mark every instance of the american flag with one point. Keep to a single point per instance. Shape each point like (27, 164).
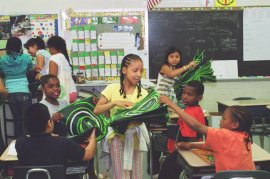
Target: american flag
(152, 3)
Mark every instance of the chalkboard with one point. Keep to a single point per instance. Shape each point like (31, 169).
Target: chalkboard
(219, 33)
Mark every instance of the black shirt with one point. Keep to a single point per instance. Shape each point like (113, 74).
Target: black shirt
(44, 149)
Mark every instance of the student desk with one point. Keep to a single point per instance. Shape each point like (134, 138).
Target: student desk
(5, 157)
(195, 167)
(256, 106)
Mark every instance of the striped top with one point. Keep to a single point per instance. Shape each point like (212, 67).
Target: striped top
(165, 86)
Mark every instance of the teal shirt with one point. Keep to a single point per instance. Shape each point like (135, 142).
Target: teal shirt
(14, 67)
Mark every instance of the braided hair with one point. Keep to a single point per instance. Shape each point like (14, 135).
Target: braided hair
(125, 62)
(244, 118)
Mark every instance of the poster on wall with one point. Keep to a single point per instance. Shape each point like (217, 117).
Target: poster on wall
(100, 40)
(44, 26)
(28, 26)
(21, 27)
(5, 31)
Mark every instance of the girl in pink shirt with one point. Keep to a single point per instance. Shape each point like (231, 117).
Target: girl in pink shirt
(231, 144)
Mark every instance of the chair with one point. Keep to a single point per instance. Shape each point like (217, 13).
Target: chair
(243, 98)
(40, 172)
(254, 174)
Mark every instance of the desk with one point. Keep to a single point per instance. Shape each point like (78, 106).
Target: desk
(195, 167)
(256, 106)
(9, 158)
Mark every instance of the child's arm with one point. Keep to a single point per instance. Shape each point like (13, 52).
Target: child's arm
(189, 120)
(90, 149)
(53, 68)
(173, 73)
(104, 105)
(40, 64)
(188, 146)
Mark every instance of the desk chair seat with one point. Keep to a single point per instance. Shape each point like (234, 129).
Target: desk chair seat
(256, 174)
(40, 172)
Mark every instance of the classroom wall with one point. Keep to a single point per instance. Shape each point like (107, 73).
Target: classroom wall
(55, 6)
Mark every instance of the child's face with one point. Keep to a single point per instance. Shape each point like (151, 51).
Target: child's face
(32, 50)
(52, 89)
(174, 58)
(52, 51)
(133, 72)
(226, 122)
(190, 97)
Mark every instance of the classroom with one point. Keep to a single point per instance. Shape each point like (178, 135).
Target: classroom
(223, 44)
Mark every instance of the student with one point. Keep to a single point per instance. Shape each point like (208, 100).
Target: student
(14, 66)
(231, 144)
(121, 96)
(36, 48)
(40, 147)
(59, 65)
(50, 86)
(171, 69)
(191, 96)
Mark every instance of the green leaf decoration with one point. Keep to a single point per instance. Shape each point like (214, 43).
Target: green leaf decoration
(80, 119)
(202, 72)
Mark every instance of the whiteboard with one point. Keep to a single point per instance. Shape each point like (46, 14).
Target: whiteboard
(256, 36)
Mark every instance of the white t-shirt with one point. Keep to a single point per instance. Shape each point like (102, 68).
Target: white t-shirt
(64, 75)
(54, 108)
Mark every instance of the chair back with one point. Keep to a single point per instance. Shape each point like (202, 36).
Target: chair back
(254, 174)
(39, 172)
(243, 98)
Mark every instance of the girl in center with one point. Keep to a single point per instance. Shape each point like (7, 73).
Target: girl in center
(172, 68)
(126, 160)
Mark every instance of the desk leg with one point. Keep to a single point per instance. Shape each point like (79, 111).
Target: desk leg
(151, 154)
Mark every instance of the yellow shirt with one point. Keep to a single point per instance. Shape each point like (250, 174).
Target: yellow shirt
(111, 92)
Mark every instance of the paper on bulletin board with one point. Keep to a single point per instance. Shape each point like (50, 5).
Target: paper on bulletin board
(225, 69)
(116, 40)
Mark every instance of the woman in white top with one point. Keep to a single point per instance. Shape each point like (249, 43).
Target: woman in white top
(59, 65)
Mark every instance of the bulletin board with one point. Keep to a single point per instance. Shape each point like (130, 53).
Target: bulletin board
(27, 26)
(100, 40)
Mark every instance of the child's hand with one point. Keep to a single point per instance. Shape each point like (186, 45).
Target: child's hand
(57, 116)
(165, 100)
(183, 145)
(192, 64)
(123, 104)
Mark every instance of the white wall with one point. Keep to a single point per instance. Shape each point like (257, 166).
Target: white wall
(55, 6)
